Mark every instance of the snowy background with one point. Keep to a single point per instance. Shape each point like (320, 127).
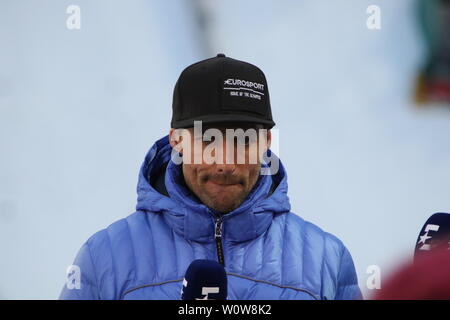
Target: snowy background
(80, 108)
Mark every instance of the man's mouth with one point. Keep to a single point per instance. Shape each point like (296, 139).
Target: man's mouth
(223, 183)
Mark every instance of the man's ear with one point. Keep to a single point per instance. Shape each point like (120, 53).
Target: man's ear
(265, 141)
(269, 138)
(172, 141)
(175, 139)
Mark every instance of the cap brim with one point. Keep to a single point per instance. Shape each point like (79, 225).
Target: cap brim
(223, 118)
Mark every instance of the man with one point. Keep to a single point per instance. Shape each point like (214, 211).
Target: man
(218, 203)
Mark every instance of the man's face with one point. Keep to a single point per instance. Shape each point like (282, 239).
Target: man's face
(222, 186)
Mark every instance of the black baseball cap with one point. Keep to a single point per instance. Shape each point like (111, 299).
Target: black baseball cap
(221, 90)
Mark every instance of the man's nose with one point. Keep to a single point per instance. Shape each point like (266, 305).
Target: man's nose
(225, 169)
(229, 154)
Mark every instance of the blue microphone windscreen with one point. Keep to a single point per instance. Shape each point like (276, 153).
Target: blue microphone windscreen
(206, 280)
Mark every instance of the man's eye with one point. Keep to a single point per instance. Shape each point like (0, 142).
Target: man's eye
(209, 138)
(243, 141)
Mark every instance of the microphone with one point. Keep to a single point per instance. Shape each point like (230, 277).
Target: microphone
(204, 280)
(435, 234)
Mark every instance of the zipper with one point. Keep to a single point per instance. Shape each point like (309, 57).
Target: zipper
(218, 238)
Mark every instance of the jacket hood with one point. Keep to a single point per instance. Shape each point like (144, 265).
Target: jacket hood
(194, 220)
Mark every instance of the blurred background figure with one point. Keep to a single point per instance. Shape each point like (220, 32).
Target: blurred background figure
(428, 278)
(82, 101)
(434, 81)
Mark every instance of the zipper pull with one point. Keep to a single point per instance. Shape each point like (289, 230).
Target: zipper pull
(218, 238)
(218, 228)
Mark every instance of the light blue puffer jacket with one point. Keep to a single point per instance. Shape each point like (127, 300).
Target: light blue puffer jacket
(269, 252)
